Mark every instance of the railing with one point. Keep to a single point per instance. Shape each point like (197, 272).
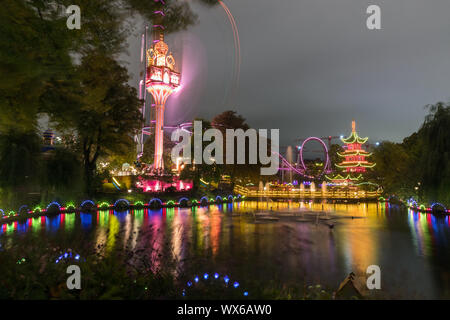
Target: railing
(307, 194)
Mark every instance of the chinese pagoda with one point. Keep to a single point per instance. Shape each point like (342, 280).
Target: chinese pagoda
(354, 163)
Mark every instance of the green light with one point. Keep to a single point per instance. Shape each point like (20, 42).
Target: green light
(70, 205)
(353, 137)
(170, 203)
(104, 204)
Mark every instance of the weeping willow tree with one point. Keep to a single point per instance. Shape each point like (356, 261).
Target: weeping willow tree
(435, 156)
(418, 167)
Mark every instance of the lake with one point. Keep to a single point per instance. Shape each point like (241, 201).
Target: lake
(286, 243)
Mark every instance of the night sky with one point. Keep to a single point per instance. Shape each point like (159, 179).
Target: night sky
(311, 66)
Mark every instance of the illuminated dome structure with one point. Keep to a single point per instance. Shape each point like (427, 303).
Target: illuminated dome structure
(354, 164)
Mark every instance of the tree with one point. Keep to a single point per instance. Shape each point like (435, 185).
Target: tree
(418, 167)
(37, 50)
(106, 116)
(242, 172)
(48, 68)
(435, 157)
(333, 154)
(34, 50)
(392, 169)
(195, 172)
(20, 161)
(60, 175)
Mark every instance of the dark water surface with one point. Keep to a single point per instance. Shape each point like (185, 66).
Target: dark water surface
(412, 249)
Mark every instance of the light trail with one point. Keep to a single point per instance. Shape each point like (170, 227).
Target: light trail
(237, 47)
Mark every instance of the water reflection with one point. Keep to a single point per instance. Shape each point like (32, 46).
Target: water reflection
(410, 247)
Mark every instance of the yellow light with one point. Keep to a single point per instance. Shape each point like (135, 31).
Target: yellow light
(118, 184)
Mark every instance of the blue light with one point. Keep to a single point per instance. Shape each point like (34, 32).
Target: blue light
(205, 276)
(216, 275)
(77, 257)
(245, 293)
(196, 279)
(189, 284)
(66, 255)
(226, 279)
(236, 284)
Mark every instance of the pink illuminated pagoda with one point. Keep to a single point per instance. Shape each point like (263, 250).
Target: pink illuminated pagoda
(355, 162)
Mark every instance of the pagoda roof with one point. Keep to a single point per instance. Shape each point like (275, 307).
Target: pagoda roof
(353, 137)
(340, 177)
(355, 153)
(351, 164)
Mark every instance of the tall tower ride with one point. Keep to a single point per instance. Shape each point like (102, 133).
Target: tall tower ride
(160, 81)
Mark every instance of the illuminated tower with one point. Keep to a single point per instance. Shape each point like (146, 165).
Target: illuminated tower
(354, 164)
(161, 80)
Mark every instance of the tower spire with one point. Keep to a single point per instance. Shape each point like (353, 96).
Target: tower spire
(161, 81)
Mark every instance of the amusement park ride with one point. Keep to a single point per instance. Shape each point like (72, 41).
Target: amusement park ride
(353, 166)
(160, 78)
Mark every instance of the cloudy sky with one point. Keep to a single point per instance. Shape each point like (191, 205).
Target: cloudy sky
(311, 66)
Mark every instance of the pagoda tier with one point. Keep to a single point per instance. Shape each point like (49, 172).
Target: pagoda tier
(354, 162)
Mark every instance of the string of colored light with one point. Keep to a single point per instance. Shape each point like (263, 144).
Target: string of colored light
(71, 206)
(216, 276)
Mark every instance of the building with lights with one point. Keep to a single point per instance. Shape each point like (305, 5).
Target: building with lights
(355, 162)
